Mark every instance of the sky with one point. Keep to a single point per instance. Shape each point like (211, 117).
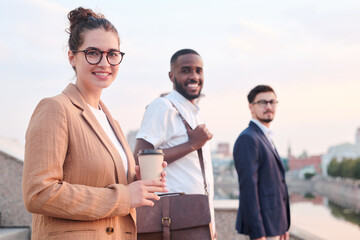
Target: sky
(308, 51)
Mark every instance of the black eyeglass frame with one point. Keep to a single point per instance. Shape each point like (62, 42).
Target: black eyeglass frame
(272, 102)
(101, 55)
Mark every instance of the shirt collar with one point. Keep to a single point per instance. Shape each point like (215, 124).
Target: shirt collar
(267, 131)
(176, 96)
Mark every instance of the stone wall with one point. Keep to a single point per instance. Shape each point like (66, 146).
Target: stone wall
(225, 225)
(12, 209)
(344, 192)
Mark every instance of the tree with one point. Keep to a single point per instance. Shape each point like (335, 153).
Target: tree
(357, 168)
(309, 175)
(333, 168)
(347, 168)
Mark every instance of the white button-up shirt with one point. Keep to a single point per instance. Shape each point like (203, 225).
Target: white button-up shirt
(163, 128)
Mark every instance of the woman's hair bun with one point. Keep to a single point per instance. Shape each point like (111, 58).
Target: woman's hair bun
(79, 15)
(81, 20)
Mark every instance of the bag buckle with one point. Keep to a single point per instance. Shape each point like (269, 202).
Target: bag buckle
(166, 219)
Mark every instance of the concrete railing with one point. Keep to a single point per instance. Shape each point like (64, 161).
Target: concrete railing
(225, 217)
(14, 233)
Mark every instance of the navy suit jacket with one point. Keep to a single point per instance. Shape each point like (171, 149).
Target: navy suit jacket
(264, 201)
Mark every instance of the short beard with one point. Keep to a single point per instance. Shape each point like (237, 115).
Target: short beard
(266, 120)
(183, 92)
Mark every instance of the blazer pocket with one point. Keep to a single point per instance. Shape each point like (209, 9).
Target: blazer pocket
(269, 202)
(268, 198)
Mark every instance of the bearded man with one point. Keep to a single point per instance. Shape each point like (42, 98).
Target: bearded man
(263, 211)
(163, 128)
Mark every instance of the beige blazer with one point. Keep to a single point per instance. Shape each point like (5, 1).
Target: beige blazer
(74, 180)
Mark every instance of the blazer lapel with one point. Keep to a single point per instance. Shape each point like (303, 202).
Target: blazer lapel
(267, 142)
(130, 158)
(121, 137)
(72, 92)
(278, 158)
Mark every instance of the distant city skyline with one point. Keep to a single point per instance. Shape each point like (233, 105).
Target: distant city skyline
(308, 51)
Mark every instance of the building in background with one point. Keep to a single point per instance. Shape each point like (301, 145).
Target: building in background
(305, 164)
(225, 177)
(224, 149)
(341, 151)
(300, 166)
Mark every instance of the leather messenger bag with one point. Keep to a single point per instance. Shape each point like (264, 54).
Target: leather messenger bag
(177, 216)
(180, 216)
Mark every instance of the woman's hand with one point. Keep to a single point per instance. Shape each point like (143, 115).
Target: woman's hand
(143, 190)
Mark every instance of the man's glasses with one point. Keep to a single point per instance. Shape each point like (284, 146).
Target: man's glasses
(264, 103)
(94, 56)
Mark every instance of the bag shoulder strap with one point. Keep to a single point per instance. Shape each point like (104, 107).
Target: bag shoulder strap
(199, 151)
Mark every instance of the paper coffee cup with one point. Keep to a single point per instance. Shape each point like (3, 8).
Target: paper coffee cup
(150, 161)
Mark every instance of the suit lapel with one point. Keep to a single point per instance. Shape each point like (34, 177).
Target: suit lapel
(72, 92)
(269, 145)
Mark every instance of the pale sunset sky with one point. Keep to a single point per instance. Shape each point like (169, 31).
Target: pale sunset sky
(308, 51)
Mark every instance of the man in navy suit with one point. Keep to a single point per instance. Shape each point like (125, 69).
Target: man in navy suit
(263, 212)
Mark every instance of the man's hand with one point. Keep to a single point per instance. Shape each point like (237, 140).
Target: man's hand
(199, 136)
(262, 238)
(285, 236)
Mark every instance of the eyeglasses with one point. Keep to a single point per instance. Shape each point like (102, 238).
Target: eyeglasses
(94, 56)
(264, 103)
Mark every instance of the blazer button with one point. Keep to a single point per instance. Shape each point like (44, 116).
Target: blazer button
(109, 230)
(285, 198)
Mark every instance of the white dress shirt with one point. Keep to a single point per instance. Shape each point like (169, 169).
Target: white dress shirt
(163, 128)
(102, 119)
